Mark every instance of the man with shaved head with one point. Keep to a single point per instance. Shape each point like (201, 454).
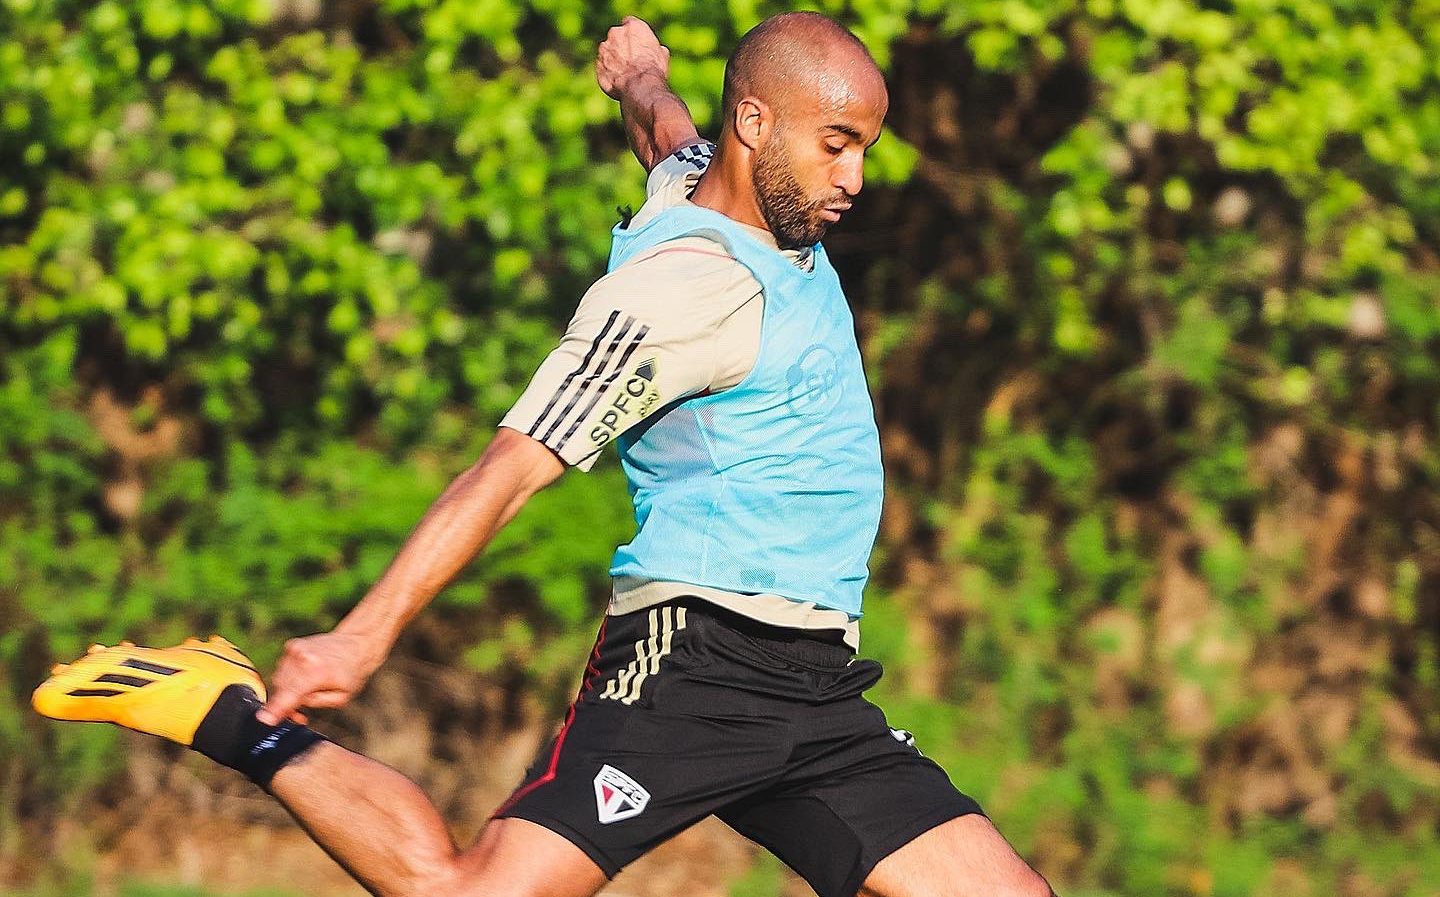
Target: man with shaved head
(719, 355)
(794, 78)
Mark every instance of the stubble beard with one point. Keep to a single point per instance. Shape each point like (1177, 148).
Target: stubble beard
(792, 218)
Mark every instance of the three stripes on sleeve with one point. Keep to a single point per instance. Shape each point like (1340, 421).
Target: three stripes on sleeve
(578, 394)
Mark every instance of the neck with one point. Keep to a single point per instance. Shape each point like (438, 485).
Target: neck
(726, 187)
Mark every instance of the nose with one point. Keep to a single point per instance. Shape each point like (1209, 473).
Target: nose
(850, 173)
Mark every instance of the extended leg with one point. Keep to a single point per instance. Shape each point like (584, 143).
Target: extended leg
(379, 826)
(371, 819)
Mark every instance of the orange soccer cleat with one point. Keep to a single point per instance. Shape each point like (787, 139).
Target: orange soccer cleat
(160, 691)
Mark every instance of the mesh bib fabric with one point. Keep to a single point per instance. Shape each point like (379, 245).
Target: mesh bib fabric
(775, 485)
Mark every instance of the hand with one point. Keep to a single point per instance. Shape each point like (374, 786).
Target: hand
(630, 52)
(325, 670)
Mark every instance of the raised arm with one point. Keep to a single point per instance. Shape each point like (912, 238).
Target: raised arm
(329, 669)
(633, 67)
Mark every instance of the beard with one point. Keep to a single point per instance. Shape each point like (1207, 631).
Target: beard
(792, 217)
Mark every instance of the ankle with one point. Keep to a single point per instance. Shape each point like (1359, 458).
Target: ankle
(232, 736)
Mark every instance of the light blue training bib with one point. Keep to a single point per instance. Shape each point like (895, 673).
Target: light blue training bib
(774, 485)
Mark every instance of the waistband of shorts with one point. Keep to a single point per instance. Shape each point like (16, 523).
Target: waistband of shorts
(820, 647)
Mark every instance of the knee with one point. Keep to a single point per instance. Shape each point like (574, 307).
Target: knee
(427, 878)
(1030, 885)
(1026, 884)
(483, 883)
(454, 875)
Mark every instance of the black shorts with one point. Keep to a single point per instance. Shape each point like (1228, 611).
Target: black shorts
(688, 710)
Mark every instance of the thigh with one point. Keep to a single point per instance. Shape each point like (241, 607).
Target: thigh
(649, 748)
(966, 857)
(855, 793)
(517, 858)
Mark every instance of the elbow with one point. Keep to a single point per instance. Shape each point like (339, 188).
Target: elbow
(527, 464)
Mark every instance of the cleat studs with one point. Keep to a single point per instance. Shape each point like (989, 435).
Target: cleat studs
(59, 668)
(127, 644)
(95, 648)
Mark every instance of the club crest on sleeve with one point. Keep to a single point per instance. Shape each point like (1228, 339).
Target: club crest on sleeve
(617, 796)
(632, 398)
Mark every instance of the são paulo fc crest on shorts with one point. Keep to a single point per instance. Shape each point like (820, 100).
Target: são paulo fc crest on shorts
(617, 796)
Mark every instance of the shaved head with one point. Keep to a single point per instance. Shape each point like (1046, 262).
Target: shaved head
(803, 101)
(794, 55)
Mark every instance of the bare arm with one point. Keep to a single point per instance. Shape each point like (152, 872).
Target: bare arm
(633, 67)
(328, 669)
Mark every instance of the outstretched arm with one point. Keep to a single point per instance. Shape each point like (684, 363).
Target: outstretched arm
(633, 67)
(329, 669)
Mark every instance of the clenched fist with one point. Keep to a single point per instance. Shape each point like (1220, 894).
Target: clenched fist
(325, 670)
(630, 52)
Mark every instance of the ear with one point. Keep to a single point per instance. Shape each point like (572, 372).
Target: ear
(753, 121)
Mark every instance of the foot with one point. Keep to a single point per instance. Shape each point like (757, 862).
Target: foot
(160, 691)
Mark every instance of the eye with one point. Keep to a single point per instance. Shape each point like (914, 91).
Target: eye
(834, 150)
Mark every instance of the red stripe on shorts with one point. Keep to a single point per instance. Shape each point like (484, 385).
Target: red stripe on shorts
(591, 671)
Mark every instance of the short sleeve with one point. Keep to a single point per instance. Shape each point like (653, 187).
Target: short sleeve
(673, 179)
(680, 170)
(642, 338)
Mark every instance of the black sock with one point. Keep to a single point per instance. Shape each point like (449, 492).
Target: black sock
(232, 736)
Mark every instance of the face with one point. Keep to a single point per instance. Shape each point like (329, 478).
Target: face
(811, 164)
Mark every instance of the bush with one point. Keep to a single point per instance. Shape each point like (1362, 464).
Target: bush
(1147, 291)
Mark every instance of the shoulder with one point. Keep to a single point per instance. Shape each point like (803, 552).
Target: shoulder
(690, 276)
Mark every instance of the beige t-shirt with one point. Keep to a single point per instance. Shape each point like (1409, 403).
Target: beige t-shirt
(680, 319)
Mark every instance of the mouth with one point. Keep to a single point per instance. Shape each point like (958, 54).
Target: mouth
(833, 214)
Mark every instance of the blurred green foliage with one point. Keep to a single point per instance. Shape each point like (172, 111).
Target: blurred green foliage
(272, 271)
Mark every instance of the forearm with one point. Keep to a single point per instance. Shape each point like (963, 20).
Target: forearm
(459, 524)
(657, 121)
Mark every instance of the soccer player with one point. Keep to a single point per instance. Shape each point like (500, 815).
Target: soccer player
(719, 355)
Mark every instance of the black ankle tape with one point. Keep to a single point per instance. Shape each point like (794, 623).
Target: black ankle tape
(286, 743)
(232, 736)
